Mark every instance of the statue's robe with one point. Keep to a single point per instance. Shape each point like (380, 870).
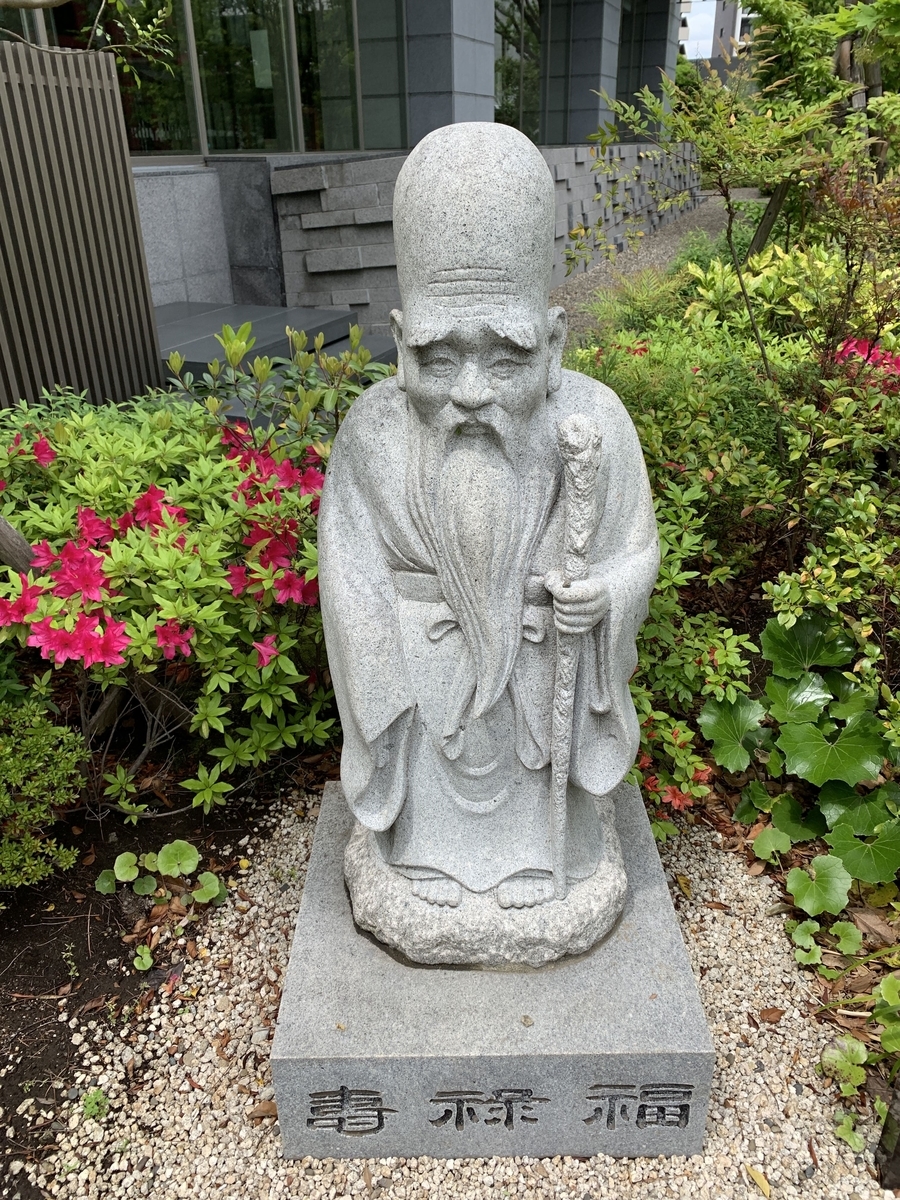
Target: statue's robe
(479, 812)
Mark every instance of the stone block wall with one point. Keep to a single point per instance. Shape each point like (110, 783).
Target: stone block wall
(184, 233)
(337, 239)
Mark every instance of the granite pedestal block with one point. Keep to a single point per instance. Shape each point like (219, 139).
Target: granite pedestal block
(605, 1053)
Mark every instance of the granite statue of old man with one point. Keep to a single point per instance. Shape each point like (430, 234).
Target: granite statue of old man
(472, 661)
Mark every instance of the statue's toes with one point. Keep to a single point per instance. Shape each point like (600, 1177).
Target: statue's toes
(443, 891)
(524, 891)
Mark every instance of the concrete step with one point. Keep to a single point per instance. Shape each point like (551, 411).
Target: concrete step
(190, 328)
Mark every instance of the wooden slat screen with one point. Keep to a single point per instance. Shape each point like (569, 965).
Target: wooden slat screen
(75, 305)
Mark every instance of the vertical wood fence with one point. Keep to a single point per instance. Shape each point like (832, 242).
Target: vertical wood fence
(75, 305)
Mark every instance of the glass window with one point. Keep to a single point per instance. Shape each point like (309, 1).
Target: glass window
(531, 67)
(245, 74)
(326, 48)
(160, 115)
(380, 35)
(631, 49)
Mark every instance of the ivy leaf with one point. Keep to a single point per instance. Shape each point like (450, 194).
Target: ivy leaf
(769, 842)
(726, 723)
(849, 697)
(849, 937)
(804, 934)
(842, 804)
(808, 958)
(872, 862)
(823, 888)
(790, 819)
(795, 700)
(746, 811)
(856, 753)
(106, 883)
(792, 652)
(125, 867)
(177, 858)
(844, 1060)
(145, 886)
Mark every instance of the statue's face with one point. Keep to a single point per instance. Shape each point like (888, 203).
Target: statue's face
(472, 375)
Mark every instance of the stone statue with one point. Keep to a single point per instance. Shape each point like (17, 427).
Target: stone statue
(487, 547)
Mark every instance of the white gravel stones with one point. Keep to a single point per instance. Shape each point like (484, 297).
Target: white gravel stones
(185, 1079)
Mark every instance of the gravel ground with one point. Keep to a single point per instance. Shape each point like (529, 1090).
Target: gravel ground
(655, 250)
(190, 1088)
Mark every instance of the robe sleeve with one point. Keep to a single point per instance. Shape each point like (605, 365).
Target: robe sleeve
(365, 656)
(625, 555)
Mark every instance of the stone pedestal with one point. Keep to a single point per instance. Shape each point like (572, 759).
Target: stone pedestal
(605, 1053)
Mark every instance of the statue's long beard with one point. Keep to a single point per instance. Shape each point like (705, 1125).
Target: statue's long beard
(480, 508)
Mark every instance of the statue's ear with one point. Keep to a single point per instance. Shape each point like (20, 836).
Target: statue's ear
(397, 331)
(557, 326)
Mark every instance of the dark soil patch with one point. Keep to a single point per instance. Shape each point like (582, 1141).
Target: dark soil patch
(63, 958)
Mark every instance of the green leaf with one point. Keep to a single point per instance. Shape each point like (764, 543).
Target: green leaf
(792, 652)
(726, 724)
(803, 934)
(796, 699)
(846, 1131)
(844, 1060)
(148, 861)
(849, 697)
(823, 888)
(145, 886)
(760, 796)
(208, 889)
(125, 867)
(769, 842)
(746, 811)
(842, 804)
(790, 819)
(143, 959)
(809, 958)
(106, 883)
(873, 862)
(857, 753)
(662, 830)
(177, 858)
(849, 937)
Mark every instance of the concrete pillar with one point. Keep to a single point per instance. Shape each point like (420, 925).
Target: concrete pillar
(450, 63)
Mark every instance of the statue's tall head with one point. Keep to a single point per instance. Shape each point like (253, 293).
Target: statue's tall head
(474, 217)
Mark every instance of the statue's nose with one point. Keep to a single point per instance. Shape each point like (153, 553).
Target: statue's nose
(470, 391)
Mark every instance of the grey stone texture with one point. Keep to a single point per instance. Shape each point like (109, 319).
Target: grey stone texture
(606, 1053)
(487, 546)
(183, 228)
(449, 63)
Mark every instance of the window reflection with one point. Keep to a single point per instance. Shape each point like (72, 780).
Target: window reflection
(160, 115)
(381, 73)
(326, 45)
(242, 51)
(531, 67)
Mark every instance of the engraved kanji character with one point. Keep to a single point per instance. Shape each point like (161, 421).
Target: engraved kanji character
(459, 1106)
(665, 1104)
(353, 1111)
(507, 1100)
(611, 1103)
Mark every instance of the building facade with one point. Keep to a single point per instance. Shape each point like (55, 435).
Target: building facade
(343, 76)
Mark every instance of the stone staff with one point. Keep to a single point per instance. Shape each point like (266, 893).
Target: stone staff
(579, 442)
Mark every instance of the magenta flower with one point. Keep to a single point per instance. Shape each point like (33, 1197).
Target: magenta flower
(43, 452)
(237, 579)
(81, 570)
(266, 650)
(170, 637)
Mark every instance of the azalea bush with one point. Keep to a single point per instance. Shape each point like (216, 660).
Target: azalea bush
(173, 586)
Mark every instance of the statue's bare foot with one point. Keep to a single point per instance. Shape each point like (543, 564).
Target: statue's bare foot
(524, 891)
(441, 890)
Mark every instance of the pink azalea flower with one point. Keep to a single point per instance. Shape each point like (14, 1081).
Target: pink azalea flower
(25, 605)
(280, 544)
(93, 528)
(81, 570)
(289, 586)
(311, 481)
(111, 642)
(149, 507)
(43, 452)
(43, 554)
(310, 591)
(237, 579)
(266, 650)
(171, 637)
(288, 475)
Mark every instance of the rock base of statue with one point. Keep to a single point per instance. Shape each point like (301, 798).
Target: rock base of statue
(478, 930)
(605, 1053)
